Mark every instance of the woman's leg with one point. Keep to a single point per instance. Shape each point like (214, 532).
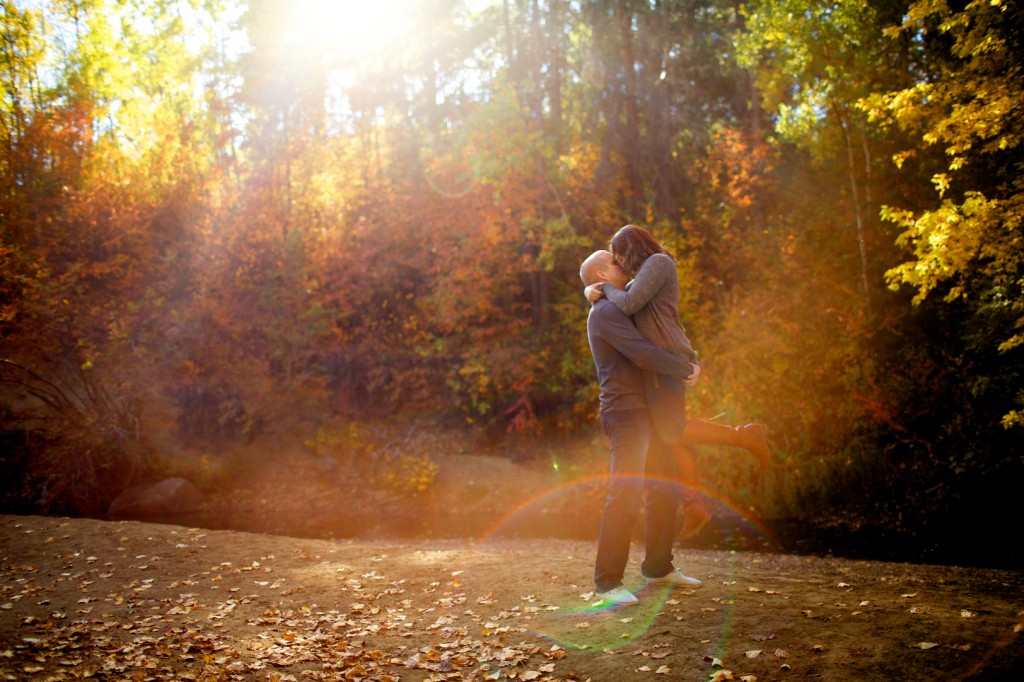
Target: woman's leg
(695, 512)
(749, 437)
(662, 499)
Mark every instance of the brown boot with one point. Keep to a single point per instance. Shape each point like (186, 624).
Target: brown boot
(750, 437)
(695, 516)
(753, 438)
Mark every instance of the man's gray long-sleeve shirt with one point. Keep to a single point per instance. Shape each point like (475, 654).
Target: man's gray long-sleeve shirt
(620, 353)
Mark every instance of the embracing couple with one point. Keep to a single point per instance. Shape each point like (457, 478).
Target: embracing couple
(644, 363)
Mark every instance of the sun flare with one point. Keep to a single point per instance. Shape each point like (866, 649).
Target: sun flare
(348, 25)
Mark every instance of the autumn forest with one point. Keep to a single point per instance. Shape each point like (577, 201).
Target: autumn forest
(231, 220)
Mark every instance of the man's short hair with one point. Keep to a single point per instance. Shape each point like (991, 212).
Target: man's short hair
(589, 268)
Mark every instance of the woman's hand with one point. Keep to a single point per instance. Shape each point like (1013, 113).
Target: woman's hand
(692, 379)
(594, 291)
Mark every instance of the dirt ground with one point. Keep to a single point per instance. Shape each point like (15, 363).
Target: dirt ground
(126, 600)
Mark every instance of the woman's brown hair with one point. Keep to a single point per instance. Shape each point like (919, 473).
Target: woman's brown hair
(632, 245)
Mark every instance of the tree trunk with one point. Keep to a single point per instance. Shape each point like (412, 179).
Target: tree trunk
(858, 213)
(632, 137)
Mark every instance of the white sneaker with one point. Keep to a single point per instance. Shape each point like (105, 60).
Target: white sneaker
(618, 595)
(676, 577)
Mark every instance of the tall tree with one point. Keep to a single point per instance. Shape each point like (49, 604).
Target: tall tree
(815, 60)
(965, 97)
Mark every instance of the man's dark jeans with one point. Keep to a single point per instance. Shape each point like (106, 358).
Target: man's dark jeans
(640, 463)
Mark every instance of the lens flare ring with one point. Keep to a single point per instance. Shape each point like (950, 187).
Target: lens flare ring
(578, 620)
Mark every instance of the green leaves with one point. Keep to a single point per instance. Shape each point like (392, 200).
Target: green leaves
(968, 245)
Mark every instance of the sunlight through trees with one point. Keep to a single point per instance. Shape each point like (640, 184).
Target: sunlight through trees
(227, 219)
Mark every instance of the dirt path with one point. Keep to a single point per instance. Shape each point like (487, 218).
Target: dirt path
(129, 600)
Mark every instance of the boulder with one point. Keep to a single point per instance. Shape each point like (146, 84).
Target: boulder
(167, 497)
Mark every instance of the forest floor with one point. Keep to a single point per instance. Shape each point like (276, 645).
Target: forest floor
(113, 600)
(83, 598)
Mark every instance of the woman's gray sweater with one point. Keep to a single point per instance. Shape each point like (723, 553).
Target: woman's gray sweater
(653, 301)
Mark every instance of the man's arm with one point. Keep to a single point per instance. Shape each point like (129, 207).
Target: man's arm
(620, 333)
